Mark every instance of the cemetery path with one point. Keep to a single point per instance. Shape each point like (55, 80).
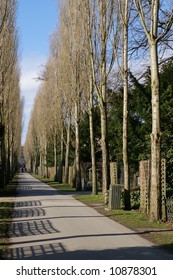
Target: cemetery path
(47, 225)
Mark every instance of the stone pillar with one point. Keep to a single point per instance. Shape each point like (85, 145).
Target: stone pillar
(144, 182)
(113, 173)
(145, 178)
(163, 189)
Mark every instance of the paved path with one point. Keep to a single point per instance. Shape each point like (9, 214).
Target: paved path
(49, 225)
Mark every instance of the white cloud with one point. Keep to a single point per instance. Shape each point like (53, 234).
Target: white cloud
(31, 66)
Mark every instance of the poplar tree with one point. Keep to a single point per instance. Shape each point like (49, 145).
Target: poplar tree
(156, 21)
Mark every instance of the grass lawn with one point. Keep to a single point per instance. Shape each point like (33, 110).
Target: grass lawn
(56, 185)
(6, 209)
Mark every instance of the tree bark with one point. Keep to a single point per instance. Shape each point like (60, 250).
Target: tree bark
(67, 149)
(93, 158)
(103, 105)
(60, 177)
(45, 160)
(55, 156)
(155, 203)
(104, 145)
(125, 107)
(77, 149)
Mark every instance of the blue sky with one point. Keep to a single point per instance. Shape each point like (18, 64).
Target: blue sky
(36, 20)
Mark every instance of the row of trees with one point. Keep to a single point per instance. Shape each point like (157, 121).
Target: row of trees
(88, 65)
(10, 101)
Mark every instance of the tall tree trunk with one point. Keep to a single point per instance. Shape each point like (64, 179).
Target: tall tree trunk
(125, 107)
(104, 145)
(153, 39)
(45, 160)
(103, 105)
(55, 156)
(67, 149)
(41, 165)
(93, 158)
(77, 149)
(8, 175)
(60, 177)
(155, 203)
(12, 160)
(2, 158)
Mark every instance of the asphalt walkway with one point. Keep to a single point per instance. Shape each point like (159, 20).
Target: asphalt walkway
(47, 225)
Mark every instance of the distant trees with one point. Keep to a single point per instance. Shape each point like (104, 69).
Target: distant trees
(11, 105)
(95, 41)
